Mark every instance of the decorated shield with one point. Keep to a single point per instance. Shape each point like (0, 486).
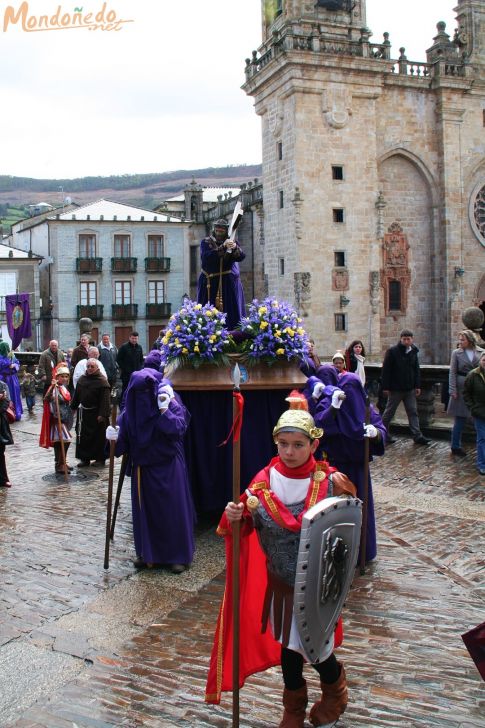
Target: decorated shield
(327, 557)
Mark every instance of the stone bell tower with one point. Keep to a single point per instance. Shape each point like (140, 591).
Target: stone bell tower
(373, 173)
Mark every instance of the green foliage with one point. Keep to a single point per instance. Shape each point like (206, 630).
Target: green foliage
(125, 181)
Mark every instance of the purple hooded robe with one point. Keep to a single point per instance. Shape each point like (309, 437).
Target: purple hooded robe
(343, 435)
(163, 512)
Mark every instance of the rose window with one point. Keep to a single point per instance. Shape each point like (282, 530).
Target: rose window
(479, 212)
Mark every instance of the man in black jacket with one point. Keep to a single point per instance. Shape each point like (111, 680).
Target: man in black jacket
(130, 358)
(107, 357)
(401, 383)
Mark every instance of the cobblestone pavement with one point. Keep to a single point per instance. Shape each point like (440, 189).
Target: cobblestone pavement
(82, 647)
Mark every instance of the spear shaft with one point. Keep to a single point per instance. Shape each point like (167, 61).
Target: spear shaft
(365, 509)
(236, 493)
(112, 446)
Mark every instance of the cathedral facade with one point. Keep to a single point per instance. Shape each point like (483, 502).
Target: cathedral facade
(373, 174)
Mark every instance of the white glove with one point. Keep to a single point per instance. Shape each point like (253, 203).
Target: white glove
(370, 431)
(163, 401)
(337, 398)
(112, 433)
(317, 390)
(166, 389)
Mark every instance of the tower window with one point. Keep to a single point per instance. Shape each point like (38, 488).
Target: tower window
(337, 172)
(281, 266)
(338, 214)
(281, 199)
(279, 148)
(339, 259)
(340, 321)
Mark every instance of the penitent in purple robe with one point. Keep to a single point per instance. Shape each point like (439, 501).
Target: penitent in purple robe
(163, 512)
(8, 374)
(211, 255)
(343, 439)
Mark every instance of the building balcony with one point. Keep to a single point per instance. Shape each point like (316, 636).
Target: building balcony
(157, 265)
(158, 310)
(124, 311)
(89, 265)
(94, 312)
(124, 265)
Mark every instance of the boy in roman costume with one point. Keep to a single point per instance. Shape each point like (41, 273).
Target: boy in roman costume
(57, 407)
(271, 511)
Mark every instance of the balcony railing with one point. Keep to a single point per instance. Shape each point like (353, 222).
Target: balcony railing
(158, 310)
(124, 265)
(89, 265)
(94, 312)
(157, 265)
(124, 311)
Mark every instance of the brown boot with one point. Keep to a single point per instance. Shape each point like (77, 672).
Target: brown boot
(327, 711)
(295, 702)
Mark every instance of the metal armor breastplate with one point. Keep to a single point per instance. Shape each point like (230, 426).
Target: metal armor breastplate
(279, 545)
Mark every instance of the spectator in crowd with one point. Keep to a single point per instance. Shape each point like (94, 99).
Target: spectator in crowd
(463, 360)
(68, 357)
(9, 367)
(355, 358)
(157, 344)
(107, 357)
(5, 435)
(401, 382)
(80, 369)
(311, 361)
(57, 408)
(48, 361)
(28, 388)
(92, 400)
(474, 396)
(130, 358)
(81, 351)
(338, 361)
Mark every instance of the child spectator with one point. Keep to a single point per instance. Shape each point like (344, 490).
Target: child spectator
(27, 386)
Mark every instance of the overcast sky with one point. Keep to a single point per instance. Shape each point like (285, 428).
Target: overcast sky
(159, 94)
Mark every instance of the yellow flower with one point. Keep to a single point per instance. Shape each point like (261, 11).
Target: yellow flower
(196, 349)
(177, 328)
(177, 342)
(185, 350)
(262, 310)
(168, 334)
(300, 331)
(198, 306)
(280, 352)
(263, 324)
(209, 313)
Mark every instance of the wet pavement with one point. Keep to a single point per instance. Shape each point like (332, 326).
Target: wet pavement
(84, 647)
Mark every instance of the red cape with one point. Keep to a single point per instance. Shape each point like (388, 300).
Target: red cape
(257, 651)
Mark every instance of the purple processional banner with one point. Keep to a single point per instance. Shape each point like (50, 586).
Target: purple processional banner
(18, 317)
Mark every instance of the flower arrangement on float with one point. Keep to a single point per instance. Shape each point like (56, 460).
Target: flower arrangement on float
(195, 335)
(272, 332)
